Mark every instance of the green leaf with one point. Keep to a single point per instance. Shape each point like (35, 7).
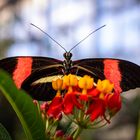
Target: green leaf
(4, 135)
(26, 111)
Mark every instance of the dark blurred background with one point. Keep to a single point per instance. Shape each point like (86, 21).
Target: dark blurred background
(68, 22)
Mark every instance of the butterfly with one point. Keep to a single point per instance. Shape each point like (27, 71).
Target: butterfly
(35, 74)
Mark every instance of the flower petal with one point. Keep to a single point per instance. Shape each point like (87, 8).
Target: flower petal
(96, 109)
(113, 102)
(70, 101)
(55, 107)
(94, 92)
(83, 97)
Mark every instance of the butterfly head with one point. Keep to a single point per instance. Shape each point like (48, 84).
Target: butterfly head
(67, 55)
(67, 63)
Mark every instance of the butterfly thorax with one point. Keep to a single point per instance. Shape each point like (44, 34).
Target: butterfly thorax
(67, 63)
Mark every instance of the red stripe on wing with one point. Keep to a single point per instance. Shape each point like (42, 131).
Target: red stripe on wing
(112, 72)
(23, 70)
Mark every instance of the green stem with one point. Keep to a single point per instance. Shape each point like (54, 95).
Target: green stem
(77, 133)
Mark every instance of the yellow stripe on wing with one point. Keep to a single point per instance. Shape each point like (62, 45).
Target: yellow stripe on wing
(49, 79)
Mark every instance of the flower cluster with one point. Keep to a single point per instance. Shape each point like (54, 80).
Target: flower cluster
(86, 103)
(82, 93)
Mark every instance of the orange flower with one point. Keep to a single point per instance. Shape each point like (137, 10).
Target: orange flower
(98, 97)
(85, 83)
(58, 85)
(70, 81)
(105, 86)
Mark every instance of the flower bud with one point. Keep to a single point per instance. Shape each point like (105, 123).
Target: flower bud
(59, 133)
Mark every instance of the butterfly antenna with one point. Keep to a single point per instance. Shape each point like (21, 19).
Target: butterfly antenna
(49, 37)
(86, 37)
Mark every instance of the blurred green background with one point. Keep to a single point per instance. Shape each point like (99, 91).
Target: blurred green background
(68, 22)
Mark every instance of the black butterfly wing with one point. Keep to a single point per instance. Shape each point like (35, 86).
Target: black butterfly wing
(124, 74)
(26, 70)
(35, 74)
(39, 83)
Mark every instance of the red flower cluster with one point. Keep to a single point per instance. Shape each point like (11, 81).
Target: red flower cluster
(81, 95)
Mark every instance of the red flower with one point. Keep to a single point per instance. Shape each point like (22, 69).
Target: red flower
(84, 97)
(56, 107)
(70, 101)
(91, 93)
(94, 92)
(96, 109)
(113, 102)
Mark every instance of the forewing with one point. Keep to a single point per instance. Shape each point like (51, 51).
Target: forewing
(124, 74)
(24, 70)
(39, 83)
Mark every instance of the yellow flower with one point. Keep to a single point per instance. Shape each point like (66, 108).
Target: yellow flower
(85, 83)
(70, 80)
(105, 86)
(58, 85)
